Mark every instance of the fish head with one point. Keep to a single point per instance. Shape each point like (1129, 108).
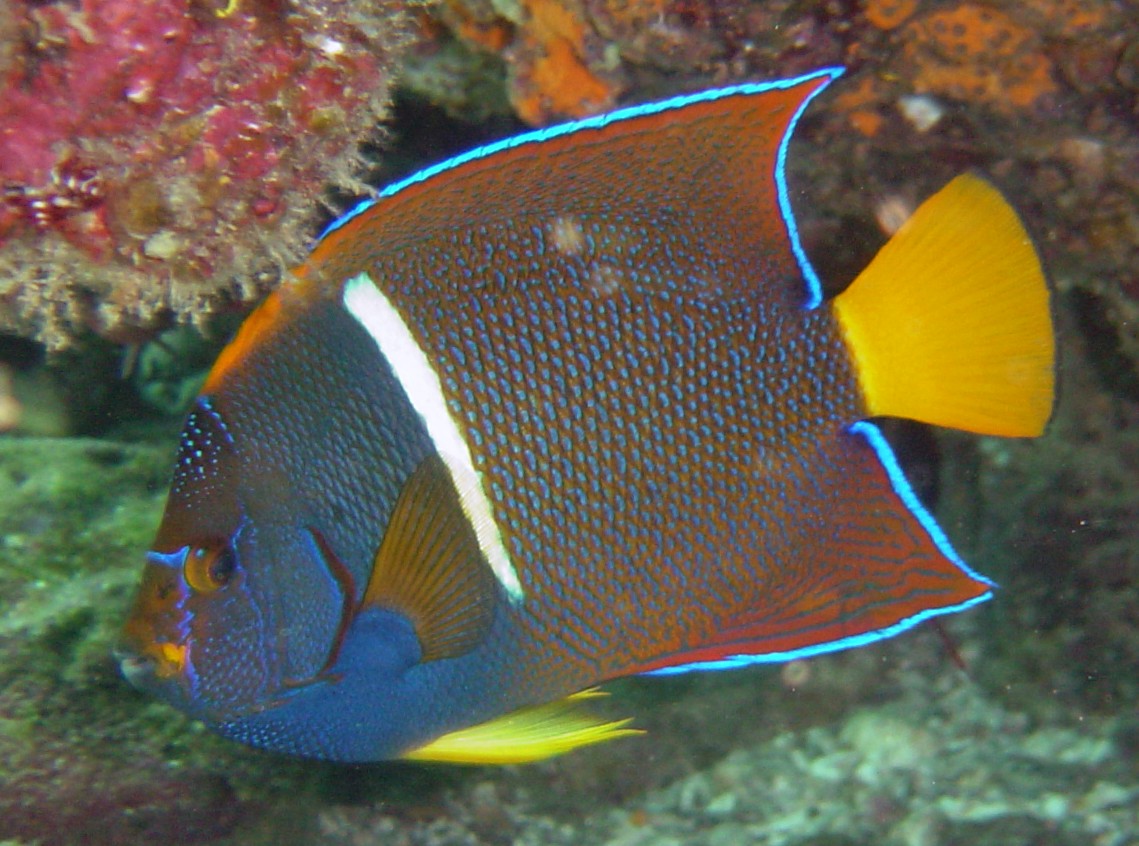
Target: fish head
(241, 602)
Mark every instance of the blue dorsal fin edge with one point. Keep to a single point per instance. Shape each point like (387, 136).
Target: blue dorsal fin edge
(905, 492)
(814, 286)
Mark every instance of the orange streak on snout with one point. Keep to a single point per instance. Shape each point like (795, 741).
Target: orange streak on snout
(156, 628)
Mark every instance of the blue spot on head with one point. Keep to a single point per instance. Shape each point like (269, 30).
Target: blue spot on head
(204, 436)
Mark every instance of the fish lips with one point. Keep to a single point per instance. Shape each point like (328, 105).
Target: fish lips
(153, 651)
(141, 671)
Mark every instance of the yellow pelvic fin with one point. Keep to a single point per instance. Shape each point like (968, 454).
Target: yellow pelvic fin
(529, 734)
(951, 322)
(429, 566)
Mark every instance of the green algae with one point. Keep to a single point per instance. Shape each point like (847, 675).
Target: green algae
(83, 757)
(70, 507)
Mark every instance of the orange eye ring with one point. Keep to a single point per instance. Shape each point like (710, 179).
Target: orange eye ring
(208, 568)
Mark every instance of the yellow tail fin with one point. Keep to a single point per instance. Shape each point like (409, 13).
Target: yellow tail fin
(950, 323)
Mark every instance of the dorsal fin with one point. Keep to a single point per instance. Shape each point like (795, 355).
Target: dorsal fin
(686, 195)
(429, 567)
(529, 734)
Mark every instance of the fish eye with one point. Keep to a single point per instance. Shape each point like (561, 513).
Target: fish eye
(208, 568)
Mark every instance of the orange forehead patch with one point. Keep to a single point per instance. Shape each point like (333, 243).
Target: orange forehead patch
(255, 329)
(274, 312)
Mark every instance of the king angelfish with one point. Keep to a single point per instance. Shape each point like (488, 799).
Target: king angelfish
(570, 407)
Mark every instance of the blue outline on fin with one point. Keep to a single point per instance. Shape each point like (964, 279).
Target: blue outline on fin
(175, 560)
(814, 287)
(905, 492)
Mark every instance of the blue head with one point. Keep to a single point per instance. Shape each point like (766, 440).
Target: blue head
(241, 602)
(249, 613)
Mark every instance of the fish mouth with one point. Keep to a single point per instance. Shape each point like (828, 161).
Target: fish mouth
(149, 671)
(142, 671)
(139, 670)
(153, 672)
(153, 648)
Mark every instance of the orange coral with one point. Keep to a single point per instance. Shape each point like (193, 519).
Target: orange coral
(558, 64)
(888, 14)
(557, 82)
(973, 52)
(860, 104)
(486, 32)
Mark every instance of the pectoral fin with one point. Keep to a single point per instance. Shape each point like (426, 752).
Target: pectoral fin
(429, 567)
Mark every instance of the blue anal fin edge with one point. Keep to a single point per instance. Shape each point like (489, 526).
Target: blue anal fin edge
(905, 492)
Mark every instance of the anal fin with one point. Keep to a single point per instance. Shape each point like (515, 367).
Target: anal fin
(529, 734)
(429, 567)
(878, 566)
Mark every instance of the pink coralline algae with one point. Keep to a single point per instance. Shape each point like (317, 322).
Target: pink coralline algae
(162, 159)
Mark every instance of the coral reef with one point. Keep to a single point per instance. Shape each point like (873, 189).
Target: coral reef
(569, 58)
(162, 159)
(572, 57)
(976, 53)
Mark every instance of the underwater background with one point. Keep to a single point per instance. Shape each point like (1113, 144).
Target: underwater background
(162, 161)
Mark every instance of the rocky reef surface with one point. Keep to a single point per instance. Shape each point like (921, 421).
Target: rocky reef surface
(162, 160)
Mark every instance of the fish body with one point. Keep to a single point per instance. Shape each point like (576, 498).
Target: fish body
(568, 408)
